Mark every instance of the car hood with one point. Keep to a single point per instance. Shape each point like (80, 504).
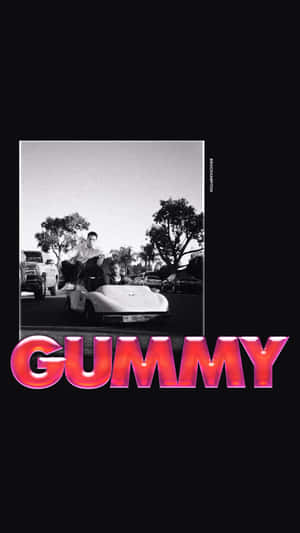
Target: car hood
(126, 298)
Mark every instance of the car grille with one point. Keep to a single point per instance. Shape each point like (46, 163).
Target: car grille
(30, 273)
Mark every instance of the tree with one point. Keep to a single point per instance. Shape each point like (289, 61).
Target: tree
(147, 254)
(61, 234)
(176, 225)
(124, 255)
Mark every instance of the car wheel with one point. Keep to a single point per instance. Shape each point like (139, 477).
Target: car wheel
(40, 293)
(89, 313)
(61, 283)
(37, 293)
(53, 289)
(67, 306)
(71, 315)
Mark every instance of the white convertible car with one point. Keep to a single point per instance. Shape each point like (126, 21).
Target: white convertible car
(121, 303)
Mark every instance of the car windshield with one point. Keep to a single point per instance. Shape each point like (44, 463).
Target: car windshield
(33, 256)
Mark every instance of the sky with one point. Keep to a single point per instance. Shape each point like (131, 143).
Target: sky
(117, 186)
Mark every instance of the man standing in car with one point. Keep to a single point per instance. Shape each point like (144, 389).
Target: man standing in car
(72, 269)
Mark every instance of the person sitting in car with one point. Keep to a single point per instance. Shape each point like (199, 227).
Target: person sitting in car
(117, 275)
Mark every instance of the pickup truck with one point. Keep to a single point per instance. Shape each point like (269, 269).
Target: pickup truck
(36, 275)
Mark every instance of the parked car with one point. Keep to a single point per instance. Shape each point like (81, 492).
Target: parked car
(120, 303)
(152, 280)
(182, 282)
(36, 275)
(138, 280)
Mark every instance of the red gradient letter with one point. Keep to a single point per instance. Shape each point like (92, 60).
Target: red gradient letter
(263, 358)
(101, 372)
(20, 362)
(128, 354)
(195, 352)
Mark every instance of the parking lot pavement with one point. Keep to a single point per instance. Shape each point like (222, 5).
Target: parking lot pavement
(185, 317)
(30, 296)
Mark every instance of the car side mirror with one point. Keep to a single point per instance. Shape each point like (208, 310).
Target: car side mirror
(50, 262)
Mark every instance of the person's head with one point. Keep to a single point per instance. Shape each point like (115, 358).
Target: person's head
(122, 270)
(92, 239)
(115, 268)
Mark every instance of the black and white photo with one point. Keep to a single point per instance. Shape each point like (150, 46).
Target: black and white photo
(112, 238)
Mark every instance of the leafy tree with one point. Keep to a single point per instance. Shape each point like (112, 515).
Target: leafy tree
(124, 255)
(61, 234)
(176, 225)
(147, 254)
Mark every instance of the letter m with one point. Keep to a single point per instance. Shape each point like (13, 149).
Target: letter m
(195, 354)
(128, 355)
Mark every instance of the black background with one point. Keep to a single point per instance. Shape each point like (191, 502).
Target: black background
(238, 100)
(249, 241)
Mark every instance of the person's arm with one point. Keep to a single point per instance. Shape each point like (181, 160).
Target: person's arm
(74, 255)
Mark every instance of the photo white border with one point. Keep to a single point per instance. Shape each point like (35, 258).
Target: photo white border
(203, 177)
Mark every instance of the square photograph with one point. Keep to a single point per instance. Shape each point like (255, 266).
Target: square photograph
(111, 239)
